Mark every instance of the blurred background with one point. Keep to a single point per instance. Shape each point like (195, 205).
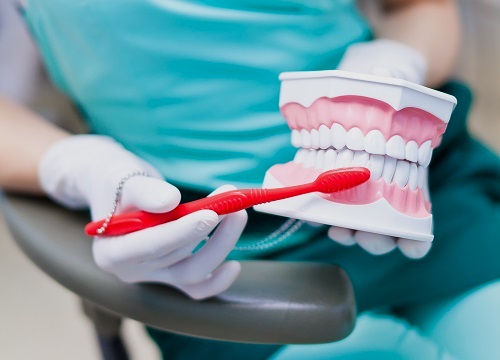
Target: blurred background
(40, 319)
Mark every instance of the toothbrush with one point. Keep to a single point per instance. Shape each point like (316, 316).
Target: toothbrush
(231, 201)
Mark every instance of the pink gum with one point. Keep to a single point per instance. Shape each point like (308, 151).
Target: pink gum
(407, 201)
(366, 114)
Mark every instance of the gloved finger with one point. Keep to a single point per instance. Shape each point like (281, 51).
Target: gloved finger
(141, 271)
(341, 235)
(217, 282)
(187, 250)
(384, 71)
(397, 73)
(375, 244)
(170, 258)
(220, 190)
(195, 268)
(385, 57)
(153, 242)
(149, 194)
(414, 249)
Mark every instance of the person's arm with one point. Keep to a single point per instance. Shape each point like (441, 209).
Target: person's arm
(87, 171)
(432, 27)
(24, 138)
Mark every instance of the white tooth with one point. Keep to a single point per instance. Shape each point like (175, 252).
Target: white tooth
(412, 151)
(395, 147)
(389, 167)
(324, 137)
(314, 139)
(423, 152)
(310, 159)
(402, 173)
(413, 178)
(375, 143)
(306, 138)
(337, 136)
(296, 138)
(360, 158)
(330, 159)
(428, 160)
(355, 139)
(320, 157)
(300, 156)
(421, 177)
(376, 166)
(426, 183)
(344, 159)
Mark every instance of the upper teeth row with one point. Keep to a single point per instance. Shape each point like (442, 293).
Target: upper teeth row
(373, 143)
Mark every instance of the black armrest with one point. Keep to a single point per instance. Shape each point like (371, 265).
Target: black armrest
(271, 302)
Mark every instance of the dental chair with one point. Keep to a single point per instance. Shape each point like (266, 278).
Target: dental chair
(270, 303)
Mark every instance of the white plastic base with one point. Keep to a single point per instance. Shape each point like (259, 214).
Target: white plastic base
(378, 217)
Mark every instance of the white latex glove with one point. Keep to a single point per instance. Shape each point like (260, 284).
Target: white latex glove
(383, 57)
(85, 170)
(378, 244)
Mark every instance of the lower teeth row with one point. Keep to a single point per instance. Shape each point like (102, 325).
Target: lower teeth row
(401, 172)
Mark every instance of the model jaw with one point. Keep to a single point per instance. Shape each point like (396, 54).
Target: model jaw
(376, 132)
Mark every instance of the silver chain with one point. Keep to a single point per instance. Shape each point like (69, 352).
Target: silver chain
(118, 194)
(281, 234)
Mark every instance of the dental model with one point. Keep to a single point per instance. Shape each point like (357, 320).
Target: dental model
(340, 119)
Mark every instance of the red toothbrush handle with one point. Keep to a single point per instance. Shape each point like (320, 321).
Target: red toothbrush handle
(225, 203)
(230, 201)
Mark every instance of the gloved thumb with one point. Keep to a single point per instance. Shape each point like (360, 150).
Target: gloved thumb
(414, 249)
(149, 194)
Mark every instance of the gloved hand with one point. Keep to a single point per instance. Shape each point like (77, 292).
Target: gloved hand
(86, 170)
(383, 57)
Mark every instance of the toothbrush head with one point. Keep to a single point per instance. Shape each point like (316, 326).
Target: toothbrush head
(341, 179)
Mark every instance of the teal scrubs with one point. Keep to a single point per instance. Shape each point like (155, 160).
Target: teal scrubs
(192, 87)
